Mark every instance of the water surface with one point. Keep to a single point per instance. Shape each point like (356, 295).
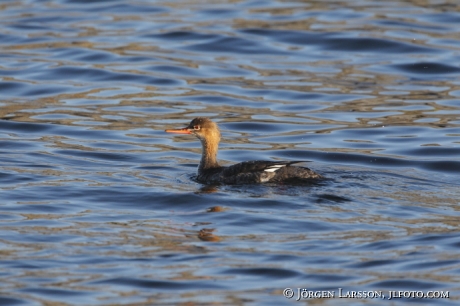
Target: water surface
(99, 205)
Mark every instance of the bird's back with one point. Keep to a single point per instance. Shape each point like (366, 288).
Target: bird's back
(256, 172)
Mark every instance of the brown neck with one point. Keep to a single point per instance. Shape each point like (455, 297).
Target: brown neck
(209, 155)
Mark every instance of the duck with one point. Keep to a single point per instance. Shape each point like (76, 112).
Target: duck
(248, 172)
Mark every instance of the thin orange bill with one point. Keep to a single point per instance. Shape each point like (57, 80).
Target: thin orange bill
(179, 131)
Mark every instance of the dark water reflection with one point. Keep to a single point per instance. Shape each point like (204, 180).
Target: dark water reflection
(99, 205)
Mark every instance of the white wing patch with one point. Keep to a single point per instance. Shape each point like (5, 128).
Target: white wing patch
(274, 167)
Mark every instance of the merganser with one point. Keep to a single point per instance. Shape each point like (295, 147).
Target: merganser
(257, 171)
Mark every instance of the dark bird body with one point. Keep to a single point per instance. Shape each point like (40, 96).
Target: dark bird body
(257, 171)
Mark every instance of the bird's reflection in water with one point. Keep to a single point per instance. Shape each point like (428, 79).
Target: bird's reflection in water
(207, 189)
(206, 234)
(216, 209)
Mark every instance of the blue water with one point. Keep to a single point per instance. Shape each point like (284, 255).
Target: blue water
(99, 206)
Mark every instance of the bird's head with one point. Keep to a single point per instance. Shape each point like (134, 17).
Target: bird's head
(201, 127)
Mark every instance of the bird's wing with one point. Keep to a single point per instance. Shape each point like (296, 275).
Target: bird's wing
(258, 166)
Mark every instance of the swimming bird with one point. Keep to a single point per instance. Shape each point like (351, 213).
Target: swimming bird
(257, 171)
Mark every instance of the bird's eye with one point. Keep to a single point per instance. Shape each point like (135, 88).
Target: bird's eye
(196, 127)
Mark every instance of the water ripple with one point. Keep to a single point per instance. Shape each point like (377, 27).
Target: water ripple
(100, 206)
